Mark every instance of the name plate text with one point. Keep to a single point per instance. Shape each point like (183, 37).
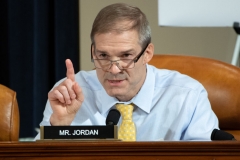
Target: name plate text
(78, 132)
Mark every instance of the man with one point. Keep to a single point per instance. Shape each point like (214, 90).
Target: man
(167, 104)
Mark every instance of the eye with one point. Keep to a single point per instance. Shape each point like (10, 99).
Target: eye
(126, 55)
(102, 56)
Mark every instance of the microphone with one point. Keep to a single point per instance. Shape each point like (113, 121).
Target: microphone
(221, 135)
(113, 117)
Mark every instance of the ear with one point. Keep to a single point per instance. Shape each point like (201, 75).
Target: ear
(92, 51)
(148, 53)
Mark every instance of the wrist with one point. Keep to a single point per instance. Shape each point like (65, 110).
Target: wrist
(61, 121)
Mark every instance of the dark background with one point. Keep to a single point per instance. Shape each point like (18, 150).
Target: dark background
(36, 36)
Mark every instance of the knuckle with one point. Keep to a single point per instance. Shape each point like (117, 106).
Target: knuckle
(62, 88)
(67, 98)
(57, 95)
(52, 93)
(68, 81)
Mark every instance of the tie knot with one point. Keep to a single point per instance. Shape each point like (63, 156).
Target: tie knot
(125, 110)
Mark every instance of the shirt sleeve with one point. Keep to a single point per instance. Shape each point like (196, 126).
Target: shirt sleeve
(202, 120)
(47, 113)
(46, 118)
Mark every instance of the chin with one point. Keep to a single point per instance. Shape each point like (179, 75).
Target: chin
(115, 93)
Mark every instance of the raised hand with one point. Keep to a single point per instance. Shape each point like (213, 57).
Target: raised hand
(65, 99)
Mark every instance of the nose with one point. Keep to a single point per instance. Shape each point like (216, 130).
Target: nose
(114, 69)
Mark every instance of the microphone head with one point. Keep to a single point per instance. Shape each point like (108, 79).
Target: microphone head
(113, 117)
(221, 135)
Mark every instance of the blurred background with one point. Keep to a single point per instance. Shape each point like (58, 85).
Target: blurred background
(36, 36)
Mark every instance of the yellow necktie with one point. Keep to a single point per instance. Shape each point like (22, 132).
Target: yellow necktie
(127, 130)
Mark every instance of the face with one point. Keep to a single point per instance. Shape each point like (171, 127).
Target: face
(122, 84)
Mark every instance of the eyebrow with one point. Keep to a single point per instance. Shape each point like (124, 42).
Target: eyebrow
(122, 52)
(99, 51)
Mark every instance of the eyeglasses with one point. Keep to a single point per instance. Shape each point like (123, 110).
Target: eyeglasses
(122, 64)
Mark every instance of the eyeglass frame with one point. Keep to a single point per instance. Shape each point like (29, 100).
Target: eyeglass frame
(134, 59)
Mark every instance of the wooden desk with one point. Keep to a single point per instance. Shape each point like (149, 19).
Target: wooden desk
(72, 150)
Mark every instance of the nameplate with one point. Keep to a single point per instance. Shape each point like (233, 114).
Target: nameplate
(78, 132)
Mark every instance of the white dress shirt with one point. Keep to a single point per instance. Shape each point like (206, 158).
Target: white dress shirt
(169, 106)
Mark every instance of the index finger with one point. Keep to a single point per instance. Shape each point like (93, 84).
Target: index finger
(70, 70)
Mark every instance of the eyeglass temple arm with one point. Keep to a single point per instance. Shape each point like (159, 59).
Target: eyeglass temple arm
(140, 54)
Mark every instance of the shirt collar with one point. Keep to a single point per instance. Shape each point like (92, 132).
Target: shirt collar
(107, 102)
(145, 96)
(142, 100)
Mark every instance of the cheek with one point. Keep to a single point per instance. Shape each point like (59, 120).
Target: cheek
(138, 69)
(133, 75)
(138, 73)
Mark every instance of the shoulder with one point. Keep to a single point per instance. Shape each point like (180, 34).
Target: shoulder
(170, 78)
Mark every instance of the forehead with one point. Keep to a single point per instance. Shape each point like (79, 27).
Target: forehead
(116, 39)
